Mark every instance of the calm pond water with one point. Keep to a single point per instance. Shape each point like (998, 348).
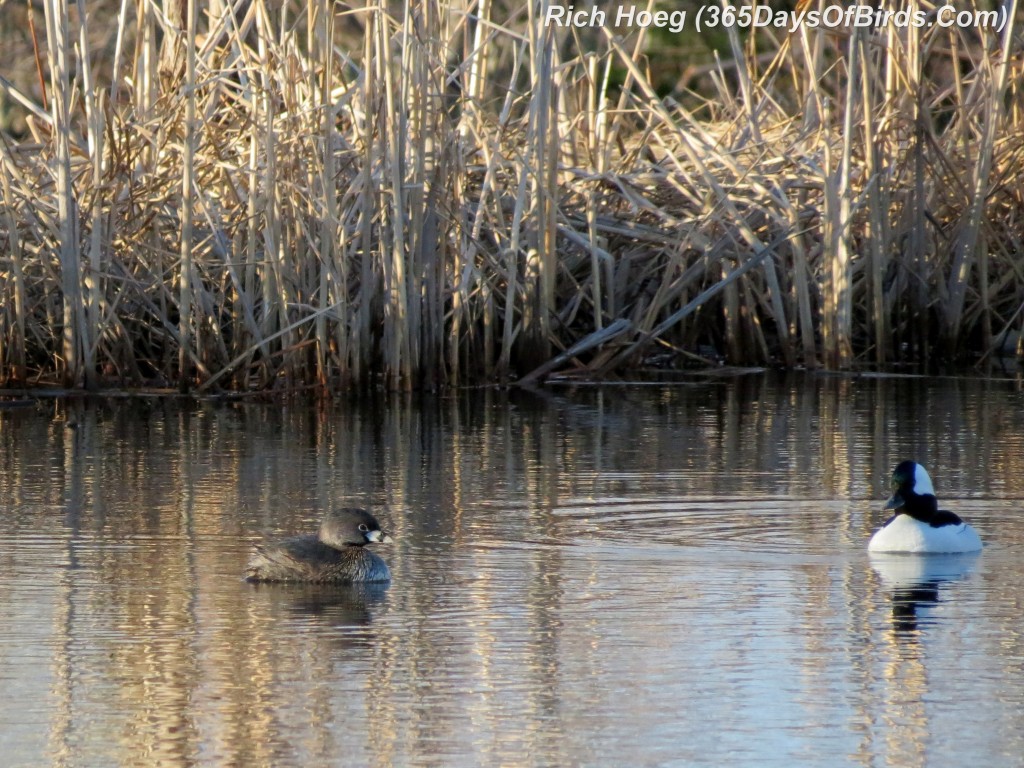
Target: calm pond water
(592, 576)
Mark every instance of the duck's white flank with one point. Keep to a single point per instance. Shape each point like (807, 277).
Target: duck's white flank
(905, 534)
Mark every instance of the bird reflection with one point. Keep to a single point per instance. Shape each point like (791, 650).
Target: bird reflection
(916, 581)
(341, 604)
(337, 606)
(906, 601)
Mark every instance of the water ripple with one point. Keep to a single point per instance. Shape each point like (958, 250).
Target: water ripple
(766, 524)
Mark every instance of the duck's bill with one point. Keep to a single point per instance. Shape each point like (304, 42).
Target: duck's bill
(895, 502)
(378, 536)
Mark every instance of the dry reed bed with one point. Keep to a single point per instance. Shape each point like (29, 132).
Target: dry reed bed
(250, 204)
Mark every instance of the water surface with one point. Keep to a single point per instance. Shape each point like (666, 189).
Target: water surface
(658, 575)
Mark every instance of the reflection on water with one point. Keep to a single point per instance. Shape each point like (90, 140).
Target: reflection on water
(595, 576)
(914, 582)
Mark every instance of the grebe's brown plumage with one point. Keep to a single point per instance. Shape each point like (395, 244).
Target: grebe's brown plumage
(337, 554)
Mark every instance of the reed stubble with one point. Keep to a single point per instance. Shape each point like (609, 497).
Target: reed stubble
(253, 202)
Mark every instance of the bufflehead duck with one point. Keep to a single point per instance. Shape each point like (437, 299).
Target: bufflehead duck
(919, 525)
(337, 554)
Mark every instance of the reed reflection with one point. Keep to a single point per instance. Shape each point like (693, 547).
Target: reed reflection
(548, 547)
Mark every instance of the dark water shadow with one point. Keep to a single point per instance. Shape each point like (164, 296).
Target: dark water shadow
(915, 583)
(337, 606)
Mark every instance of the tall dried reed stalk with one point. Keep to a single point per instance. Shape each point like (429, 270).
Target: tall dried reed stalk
(413, 195)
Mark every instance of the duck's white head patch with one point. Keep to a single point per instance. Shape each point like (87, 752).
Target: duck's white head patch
(922, 482)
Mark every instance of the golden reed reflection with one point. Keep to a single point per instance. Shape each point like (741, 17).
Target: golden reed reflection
(159, 503)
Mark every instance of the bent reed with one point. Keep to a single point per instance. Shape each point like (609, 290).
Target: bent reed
(274, 196)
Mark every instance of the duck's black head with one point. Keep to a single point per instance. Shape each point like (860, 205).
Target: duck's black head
(911, 488)
(350, 527)
(912, 494)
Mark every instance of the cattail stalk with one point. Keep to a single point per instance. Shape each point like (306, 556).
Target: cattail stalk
(74, 340)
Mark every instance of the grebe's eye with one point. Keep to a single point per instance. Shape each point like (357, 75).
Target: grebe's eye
(363, 528)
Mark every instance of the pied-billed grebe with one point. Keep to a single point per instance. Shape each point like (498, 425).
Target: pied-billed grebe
(919, 526)
(337, 554)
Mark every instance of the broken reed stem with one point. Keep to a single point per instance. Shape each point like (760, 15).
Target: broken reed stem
(462, 198)
(13, 303)
(964, 251)
(188, 200)
(876, 203)
(321, 29)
